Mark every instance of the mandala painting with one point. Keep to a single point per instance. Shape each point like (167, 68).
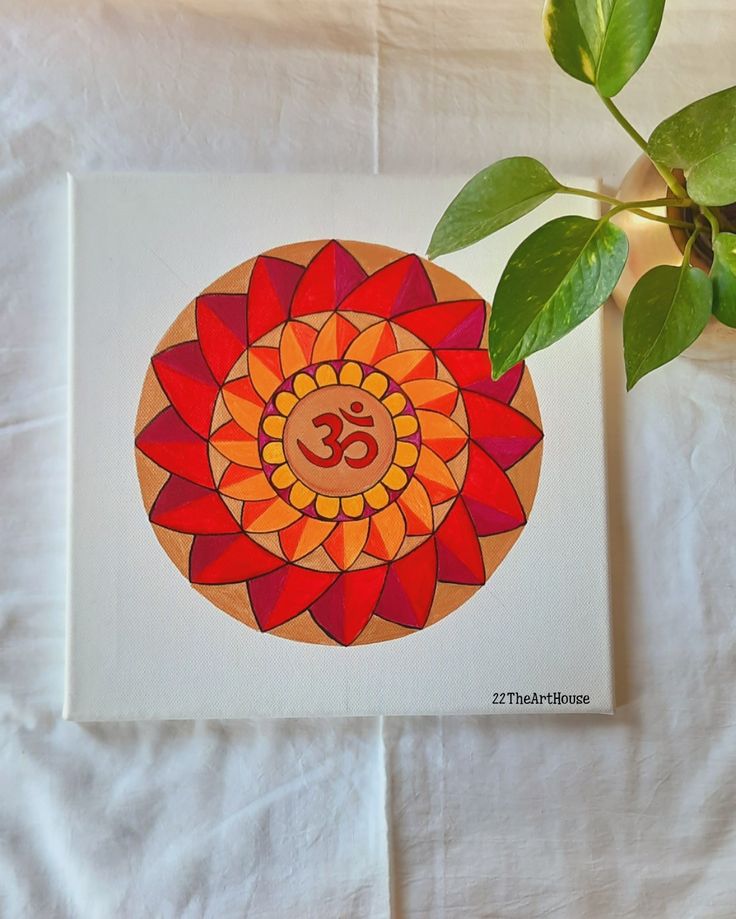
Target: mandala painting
(322, 451)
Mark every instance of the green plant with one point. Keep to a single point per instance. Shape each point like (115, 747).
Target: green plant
(567, 269)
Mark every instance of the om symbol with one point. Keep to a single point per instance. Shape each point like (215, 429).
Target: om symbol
(338, 447)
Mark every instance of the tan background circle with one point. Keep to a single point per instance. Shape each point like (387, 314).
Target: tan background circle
(233, 598)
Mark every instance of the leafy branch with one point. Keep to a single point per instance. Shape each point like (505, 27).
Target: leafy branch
(567, 268)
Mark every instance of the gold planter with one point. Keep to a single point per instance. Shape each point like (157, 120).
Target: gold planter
(652, 244)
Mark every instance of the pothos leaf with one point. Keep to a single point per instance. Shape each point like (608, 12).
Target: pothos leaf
(667, 310)
(555, 279)
(723, 276)
(492, 199)
(602, 42)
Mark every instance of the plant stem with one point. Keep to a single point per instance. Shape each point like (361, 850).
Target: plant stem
(640, 142)
(635, 206)
(689, 246)
(715, 228)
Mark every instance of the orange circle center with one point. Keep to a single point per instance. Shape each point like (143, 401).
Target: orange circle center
(339, 440)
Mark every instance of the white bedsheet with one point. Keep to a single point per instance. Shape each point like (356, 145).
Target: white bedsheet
(630, 816)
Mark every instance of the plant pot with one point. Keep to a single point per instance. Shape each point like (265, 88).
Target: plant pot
(652, 244)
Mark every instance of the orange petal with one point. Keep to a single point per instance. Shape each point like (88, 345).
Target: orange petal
(432, 394)
(245, 484)
(237, 445)
(417, 509)
(435, 476)
(373, 344)
(346, 542)
(418, 364)
(303, 537)
(269, 515)
(297, 342)
(334, 337)
(441, 434)
(244, 403)
(264, 367)
(386, 533)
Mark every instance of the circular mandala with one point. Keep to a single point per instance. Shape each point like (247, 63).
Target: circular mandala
(322, 451)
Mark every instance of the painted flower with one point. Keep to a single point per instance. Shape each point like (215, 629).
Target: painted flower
(329, 438)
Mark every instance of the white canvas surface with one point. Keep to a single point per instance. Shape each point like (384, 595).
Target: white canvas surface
(142, 642)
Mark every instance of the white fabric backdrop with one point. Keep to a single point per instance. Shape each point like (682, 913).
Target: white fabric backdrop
(486, 817)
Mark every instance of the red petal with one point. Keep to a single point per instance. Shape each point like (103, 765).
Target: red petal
(456, 324)
(489, 496)
(186, 379)
(344, 610)
(409, 589)
(228, 559)
(505, 434)
(280, 596)
(175, 447)
(472, 370)
(459, 558)
(189, 508)
(401, 286)
(221, 330)
(270, 291)
(327, 280)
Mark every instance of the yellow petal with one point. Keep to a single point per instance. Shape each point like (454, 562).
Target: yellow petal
(405, 425)
(300, 496)
(406, 454)
(327, 506)
(283, 477)
(285, 402)
(274, 452)
(395, 478)
(377, 496)
(376, 384)
(303, 384)
(326, 375)
(351, 374)
(353, 505)
(274, 425)
(395, 403)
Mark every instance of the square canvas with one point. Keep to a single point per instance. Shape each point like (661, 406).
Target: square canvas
(295, 488)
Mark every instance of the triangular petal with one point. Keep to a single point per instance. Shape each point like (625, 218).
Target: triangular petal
(245, 484)
(455, 324)
(472, 370)
(344, 609)
(433, 473)
(416, 364)
(189, 508)
(264, 369)
(396, 288)
(409, 588)
(437, 395)
(297, 342)
(333, 339)
(327, 280)
(188, 382)
(228, 559)
(244, 403)
(271, 288)
(373, 344)
(504, 433)
(346, 542)
(280, 596)
(386, 532)
(303, 537)
(236, 445)
(221, 330)
(416, 508)
(489, 495)
(441, 434)
(268, 516)
(459, 556)
(175, 447)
